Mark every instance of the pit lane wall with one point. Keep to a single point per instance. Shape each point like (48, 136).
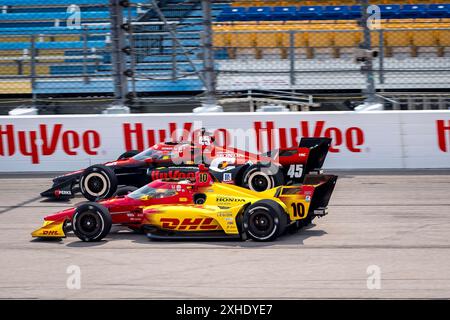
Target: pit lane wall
(388, 139)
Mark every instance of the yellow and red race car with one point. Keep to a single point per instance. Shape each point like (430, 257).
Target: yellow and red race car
(198, 208)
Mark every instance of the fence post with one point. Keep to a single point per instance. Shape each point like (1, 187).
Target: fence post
(33, 57)
(208, 54)
(381, 56)
(174, 59)
(367, 45)
(292, 56)
(132, 53)
(85, 49)
(118, 56)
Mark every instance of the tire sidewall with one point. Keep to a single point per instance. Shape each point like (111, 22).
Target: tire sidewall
(108, 178)
(274, 211)
(102, 214)
(273, 180)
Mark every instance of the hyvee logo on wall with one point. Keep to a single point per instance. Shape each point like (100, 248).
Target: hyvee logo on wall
(352, 138)
(443, 133)
(46, 140)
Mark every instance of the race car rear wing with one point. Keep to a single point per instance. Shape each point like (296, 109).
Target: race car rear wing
(318, 150)
(324, 186)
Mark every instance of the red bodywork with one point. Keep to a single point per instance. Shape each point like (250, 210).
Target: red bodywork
(187, 153)
(127, 211)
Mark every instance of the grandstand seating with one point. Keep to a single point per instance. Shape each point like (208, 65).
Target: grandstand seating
(272, 3)
(329, 24)
(64, 51)
(328, 35)
(55, 43)
(255, 25)
(339, 12)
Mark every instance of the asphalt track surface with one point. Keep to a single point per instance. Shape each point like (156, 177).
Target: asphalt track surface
(397, 221)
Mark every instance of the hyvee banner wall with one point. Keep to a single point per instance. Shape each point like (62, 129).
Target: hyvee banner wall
(405, 139)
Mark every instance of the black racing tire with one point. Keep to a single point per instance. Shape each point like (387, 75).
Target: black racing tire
(91, 222)
(123, 191)
(98, 182)
(260, 178)
(199, 198)
(128, 154)
(264, 220)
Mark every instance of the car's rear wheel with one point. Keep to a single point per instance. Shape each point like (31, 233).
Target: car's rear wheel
(91, 222)
(98, 182)
(259, 178)
(264, 220)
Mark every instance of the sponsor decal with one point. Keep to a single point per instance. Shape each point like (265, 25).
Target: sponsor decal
(134, 135)
(228, 199)
(351, 139)
(224, 214)
(171, 174)
(227, 177)
(229, 155)
(62, 193)
(188, 224)
(36, 144)
(443, 134)
(50, 233)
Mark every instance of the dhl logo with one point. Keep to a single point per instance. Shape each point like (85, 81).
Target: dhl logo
(50, 233)
(188, 224)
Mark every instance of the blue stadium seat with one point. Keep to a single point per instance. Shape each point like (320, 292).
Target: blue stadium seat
(52, 45)
(438, 11)
(50, 30)
(354, 12)
(232, 14)
(57, 2)
(259, 13)
(33, 16)
(335, 13)
(309, 13)
(284, 13)
(413, 11)
(389, 11)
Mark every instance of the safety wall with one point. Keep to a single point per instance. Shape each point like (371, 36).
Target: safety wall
(404, 139)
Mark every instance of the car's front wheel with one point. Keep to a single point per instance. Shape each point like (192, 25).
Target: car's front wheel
(264, 220)
(91, 222)
(98, 182)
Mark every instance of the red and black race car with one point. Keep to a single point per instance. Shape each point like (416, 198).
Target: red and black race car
(257, 172)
